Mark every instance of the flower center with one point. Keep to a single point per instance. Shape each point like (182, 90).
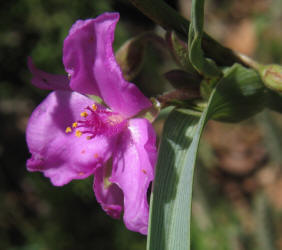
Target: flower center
(97, 121)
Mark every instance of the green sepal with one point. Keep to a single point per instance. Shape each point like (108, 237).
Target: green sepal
(152, 112)
(238, 95)
(97, 99)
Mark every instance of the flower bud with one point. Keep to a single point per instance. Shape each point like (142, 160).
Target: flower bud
(179, 50)
(180, 79)
(130, 56)
(271, 76)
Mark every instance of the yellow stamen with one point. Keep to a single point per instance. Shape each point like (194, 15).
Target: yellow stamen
(68, 129)
(78, 133)
(74, 125)
(94, 107)
(96, 156)
(83, 114)
(80, 173)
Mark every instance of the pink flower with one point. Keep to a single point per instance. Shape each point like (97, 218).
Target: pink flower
(72, 137)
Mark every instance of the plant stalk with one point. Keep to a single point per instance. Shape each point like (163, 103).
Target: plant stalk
(162, 14)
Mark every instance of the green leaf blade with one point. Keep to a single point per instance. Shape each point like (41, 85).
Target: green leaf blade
(196, 55)
(171, 206)
(238, 95)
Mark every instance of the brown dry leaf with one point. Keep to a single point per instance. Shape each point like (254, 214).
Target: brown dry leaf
(242, 37)
(238, 147)
(185, 7)
(244, 8)
(272, 182)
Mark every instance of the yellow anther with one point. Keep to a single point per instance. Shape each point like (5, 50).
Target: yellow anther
(68, 129)
(96, 156)
(83, 114)
(81, 173)
(78, 133)
(74, 125)
(94, 107)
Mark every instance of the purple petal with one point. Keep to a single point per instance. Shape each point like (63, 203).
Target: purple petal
(133, 170)
(108, 194)
(59, 155)
(89, 59)
(44, 80)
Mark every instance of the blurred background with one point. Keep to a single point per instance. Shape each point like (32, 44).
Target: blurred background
(237, 202)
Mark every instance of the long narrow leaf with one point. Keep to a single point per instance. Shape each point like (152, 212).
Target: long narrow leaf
(171, 199)
(237, 96)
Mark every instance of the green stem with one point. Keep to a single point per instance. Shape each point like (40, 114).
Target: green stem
(162, 14)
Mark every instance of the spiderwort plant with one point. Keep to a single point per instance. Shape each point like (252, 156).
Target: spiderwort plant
(72, 137)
